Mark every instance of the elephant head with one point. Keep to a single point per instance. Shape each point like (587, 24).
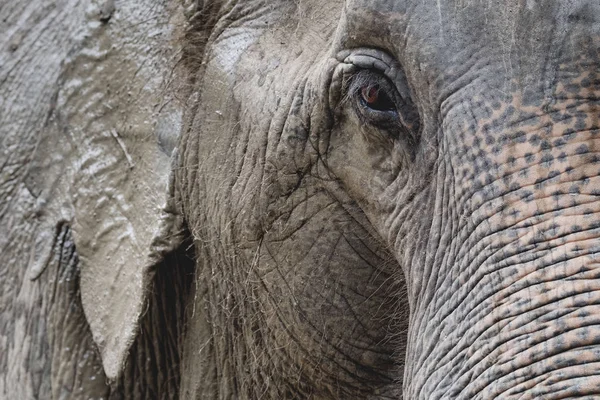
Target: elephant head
(391, 198)
(343, 163)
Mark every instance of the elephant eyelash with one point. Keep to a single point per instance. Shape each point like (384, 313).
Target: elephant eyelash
(388, 111)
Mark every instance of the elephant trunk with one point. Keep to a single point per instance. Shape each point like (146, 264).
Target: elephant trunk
(506, 295)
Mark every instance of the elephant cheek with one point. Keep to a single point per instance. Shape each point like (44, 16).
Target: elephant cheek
(308, 298)
(327, 287)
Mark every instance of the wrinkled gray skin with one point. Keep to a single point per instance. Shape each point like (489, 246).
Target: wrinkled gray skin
(442, 245)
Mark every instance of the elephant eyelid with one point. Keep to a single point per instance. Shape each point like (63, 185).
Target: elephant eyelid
(374, 84)
(379, 61)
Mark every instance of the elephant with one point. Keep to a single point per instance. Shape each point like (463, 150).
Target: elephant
(364, 199)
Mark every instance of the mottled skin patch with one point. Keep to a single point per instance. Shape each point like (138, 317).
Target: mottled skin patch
(522, 298)
(309, 219)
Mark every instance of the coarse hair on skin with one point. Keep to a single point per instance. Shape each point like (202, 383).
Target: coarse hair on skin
(201, 18)
(248, 336)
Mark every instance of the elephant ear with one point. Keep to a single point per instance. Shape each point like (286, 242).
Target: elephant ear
(104, 161)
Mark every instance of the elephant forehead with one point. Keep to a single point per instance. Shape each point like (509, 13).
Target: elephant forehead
(450, 20)
(438, 41)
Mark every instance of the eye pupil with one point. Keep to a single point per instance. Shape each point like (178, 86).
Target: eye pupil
(370, 94)
(373, 97)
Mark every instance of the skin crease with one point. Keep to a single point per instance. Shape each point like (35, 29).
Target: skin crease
(308, 216)
(316, 243)
(437, 241)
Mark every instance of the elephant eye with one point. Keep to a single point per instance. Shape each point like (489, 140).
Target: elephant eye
(377, 102)
(374, 98)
